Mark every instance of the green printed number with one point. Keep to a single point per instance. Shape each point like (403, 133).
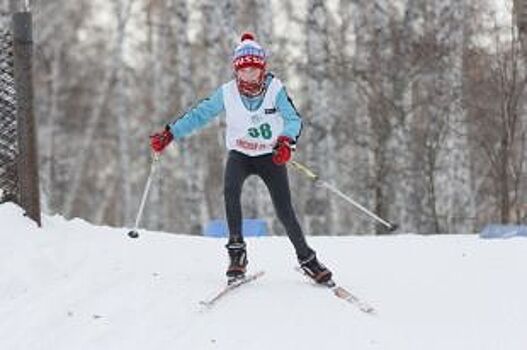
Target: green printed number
(263, 130)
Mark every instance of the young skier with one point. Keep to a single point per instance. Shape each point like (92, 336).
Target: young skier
(262, 129)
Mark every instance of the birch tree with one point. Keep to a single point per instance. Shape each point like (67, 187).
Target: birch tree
(70, 22)
(78, 169)
(360, 123)
(195, 209)
(497, 89)
(456, 180)
(374, 84)
(319, 116)
(4, 13)
(406, 209)
(217, 69)
(52, 56)
(520, 14)
(122, 10)
(158, 16)
(385, 90)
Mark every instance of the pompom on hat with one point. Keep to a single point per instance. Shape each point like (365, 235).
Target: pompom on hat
(248, 53)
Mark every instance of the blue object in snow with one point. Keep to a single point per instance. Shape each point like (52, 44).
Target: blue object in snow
(250, 227)
(503, 231)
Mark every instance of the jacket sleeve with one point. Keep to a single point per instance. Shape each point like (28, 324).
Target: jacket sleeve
(292, 119)
(198, 116)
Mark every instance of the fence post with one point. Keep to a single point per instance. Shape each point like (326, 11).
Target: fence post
(29, 196)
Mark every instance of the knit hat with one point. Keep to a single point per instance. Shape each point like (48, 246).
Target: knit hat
(248, 53)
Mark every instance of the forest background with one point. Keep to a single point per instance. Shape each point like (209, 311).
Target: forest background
(416, 108)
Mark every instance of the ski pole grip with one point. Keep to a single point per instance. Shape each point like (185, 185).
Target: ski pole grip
(304, 169)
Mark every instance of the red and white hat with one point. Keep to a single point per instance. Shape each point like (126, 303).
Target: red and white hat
(248, 53)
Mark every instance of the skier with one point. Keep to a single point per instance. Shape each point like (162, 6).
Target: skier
(262, 129)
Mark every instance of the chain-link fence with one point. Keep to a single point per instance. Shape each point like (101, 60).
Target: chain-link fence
(8, 165)
(18, 151)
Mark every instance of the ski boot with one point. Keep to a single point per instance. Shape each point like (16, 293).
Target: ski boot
(238, 261)
(315, 270)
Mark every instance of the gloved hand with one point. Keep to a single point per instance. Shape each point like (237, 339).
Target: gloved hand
(160, 140)
(282, 150)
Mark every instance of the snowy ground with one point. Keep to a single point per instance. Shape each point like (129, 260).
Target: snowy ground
(71, 286)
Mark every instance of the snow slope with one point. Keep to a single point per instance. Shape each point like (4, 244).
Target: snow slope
(72, 285)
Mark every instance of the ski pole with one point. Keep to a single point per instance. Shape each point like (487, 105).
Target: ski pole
(134, 233)
(316, 179)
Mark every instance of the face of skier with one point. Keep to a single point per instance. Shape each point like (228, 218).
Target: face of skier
(250, 80)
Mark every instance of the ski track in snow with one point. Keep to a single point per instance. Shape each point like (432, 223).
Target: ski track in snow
(72, 285)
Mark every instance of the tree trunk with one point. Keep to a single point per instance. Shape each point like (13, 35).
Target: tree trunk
(318, 118)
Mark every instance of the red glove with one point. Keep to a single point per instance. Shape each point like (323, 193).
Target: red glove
(282, 150)
(160, 140)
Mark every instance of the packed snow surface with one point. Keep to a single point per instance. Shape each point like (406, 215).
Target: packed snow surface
(72, 285)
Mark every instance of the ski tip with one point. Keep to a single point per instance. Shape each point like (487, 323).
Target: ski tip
(133, 234)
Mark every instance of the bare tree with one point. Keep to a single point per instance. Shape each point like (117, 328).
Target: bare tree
(497, 90)
(318, 114)
(385, 90)
(122, 10)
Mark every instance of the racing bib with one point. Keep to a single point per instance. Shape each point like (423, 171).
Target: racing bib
(253, 133)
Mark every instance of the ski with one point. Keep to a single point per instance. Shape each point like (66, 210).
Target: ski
(230, 287)
(344, 294)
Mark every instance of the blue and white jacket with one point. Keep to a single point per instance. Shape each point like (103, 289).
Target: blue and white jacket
(209, 108)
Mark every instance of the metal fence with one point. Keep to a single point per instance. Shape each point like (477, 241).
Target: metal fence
(8, 120)
(18, 151)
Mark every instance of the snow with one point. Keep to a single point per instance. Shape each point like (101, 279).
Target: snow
(72, 285)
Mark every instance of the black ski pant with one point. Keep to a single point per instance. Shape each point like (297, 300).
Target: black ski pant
(239, 167)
